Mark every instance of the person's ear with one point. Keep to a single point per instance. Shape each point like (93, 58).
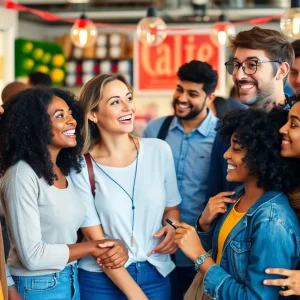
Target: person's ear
(210, 99)
(283, 70)
(93, 117)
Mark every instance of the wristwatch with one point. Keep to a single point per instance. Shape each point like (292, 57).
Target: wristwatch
(200, 260)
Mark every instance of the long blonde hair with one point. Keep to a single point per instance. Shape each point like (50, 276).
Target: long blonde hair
(89, 98)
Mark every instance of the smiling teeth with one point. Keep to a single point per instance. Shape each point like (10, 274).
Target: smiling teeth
(69, 132)
(231, 167)
(285, 142)
(127, 118)
(249, 86)
(184, 105)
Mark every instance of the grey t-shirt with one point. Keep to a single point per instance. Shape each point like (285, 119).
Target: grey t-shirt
(41, 221)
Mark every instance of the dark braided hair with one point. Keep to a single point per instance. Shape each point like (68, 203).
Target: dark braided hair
(26, 133)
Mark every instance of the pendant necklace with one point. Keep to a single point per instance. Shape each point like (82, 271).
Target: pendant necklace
(133, 187)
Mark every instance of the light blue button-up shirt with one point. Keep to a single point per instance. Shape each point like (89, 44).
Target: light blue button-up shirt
(191, 156)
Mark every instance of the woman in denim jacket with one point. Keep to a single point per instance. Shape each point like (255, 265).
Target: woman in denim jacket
(254, 229)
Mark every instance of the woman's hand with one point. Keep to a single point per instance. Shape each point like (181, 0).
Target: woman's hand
(188, 241)
(167, 245)
(216, 205)
(292, 282)
(114, 257)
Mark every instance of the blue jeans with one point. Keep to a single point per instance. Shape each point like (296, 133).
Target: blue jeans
(56, 286)
(96, 285)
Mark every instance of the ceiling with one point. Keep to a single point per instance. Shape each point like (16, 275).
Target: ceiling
(173, 11)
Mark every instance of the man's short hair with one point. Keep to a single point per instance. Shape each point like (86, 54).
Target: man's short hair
(40, 79)
(199, 72)
(274, 43)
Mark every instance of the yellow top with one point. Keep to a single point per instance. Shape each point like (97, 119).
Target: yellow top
(1, 293)
(231, 220)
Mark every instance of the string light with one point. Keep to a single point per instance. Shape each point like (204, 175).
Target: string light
(83, 33)
(290, 20)
(222, 30)
(151, 30)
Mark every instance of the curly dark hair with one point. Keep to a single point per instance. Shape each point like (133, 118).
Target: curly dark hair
(26, 133)
(291, 100)
(258, 132)
(199, 72)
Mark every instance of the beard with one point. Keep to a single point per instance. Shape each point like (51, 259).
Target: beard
(262, 97)
(195, 111)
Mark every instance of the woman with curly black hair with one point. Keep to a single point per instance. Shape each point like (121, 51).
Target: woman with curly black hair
(252, 228)
(39, 144)
(290, 148)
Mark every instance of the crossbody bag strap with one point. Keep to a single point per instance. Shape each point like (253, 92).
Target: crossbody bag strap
(163, 132)
(89, 164)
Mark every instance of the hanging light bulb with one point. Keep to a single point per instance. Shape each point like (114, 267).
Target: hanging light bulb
(290, 20)
(83, 33)
(151, 30)
(221, 31)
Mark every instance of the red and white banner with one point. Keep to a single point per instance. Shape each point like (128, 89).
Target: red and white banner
(155, 67)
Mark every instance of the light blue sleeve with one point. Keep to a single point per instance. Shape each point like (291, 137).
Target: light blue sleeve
(82, 186)
(9, 279)
(219, 284)
(153, 127)
(171, 189)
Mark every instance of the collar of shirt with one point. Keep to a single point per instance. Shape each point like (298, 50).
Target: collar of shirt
(203, 128)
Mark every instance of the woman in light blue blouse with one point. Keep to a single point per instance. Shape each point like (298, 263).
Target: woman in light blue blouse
(135, 192)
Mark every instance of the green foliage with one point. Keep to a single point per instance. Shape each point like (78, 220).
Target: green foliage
(40, 56)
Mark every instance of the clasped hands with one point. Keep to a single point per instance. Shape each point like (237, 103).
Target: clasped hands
(110, 253)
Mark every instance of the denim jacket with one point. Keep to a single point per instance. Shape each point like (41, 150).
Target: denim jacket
(268, 236)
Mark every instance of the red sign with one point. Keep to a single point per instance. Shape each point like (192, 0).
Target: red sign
(155, 67)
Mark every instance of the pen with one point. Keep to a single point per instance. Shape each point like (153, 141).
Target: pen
(171, 223)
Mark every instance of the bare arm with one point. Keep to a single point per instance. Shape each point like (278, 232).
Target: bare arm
(119, 276)
(167, 245)
(171, 213)
(13, 294)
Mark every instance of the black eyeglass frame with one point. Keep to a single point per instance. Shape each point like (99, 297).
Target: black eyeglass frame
(257, 61)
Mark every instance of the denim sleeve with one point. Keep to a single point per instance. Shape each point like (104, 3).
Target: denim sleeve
(9, 279)
(146, 133)
(206, 236)
(215, 174)
(272, 246)
(151, 131)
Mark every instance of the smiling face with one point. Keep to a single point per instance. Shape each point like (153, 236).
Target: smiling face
(237, 170)
(258, 87)
(63, 124)
(190, 101)
(294, 76)
(116, 109)
(290, 146)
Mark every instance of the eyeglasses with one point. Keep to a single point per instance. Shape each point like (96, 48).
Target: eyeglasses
(249, 66)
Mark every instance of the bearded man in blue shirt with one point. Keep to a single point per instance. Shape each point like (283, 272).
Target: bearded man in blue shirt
(190, 133)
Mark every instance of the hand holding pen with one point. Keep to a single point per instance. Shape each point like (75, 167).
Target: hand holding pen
(167, 245)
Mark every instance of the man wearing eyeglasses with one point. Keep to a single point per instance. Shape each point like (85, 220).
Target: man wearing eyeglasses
(259, 69)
